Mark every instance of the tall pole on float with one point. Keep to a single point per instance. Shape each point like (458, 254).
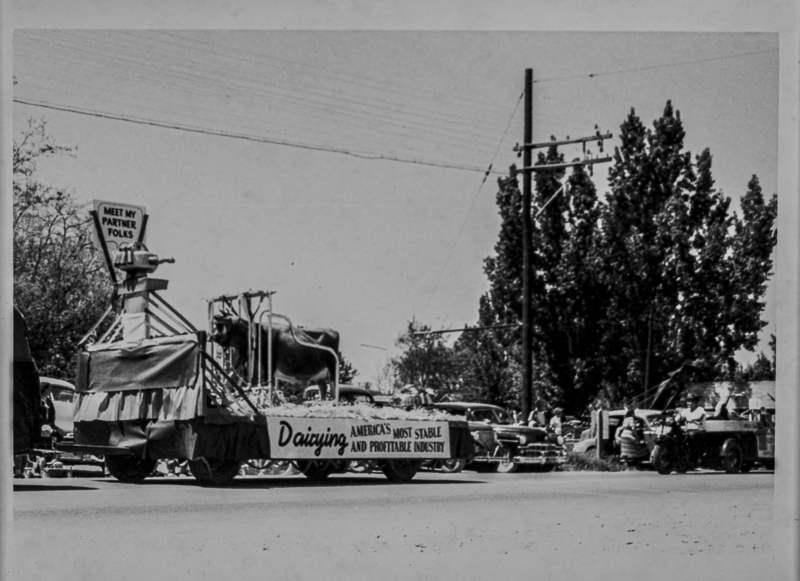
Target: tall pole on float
(527, 338)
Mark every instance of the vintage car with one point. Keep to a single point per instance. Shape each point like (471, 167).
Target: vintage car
(60, 396)
(502, 445)
(347, 394)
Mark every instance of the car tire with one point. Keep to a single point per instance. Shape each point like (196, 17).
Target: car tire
(213, 471)
(732, 456)
(664, 457)
(315, 470)
(401, 470)
(453, 466)
(129, 469)
(361, 466)
(485, 467)
(507, 467)
(541, 468)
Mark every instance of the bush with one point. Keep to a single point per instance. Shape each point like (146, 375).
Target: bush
(577, 462)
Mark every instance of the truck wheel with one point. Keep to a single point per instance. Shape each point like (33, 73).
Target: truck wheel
(401, 470)
(663, 457)
(130, 469)
(732, 456)
(453, 466)
(315, 470)
(213, 471)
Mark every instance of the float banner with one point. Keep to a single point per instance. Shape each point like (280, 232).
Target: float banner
(352, 439)
(118, 223)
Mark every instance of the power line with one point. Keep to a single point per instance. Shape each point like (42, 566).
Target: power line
(154, 123)
(636, 69)
(419, 127)
(474, 199)
(425, 131)
(222, 75)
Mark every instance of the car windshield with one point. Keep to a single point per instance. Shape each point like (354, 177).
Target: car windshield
(60, 394)
(491, 416)
(502, 417)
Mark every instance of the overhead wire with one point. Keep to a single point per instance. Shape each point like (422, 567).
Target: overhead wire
(472, 205)
(652, 67)
(257, 139)
(218, 78)
(382, 85)
(449, 142)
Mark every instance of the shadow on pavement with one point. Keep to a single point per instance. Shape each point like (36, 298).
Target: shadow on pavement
(245, 482)
(334, 480)
(48, 488)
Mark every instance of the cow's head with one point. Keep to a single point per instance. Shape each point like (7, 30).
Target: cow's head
(222, 330)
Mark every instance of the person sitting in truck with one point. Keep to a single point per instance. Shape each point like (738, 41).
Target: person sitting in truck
(695, 426)
(694, 415)
(723, 410)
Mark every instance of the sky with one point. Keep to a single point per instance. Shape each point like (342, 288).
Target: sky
(345, 169)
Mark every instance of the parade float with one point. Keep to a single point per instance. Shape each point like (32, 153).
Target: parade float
(154, 387)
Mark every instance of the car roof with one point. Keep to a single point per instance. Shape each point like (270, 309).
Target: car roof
(57, 383)
(351, 389)
(463, 405)
(639, 413)
(355, 390)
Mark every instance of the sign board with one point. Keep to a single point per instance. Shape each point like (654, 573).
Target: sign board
(117, 223)
(353, 439)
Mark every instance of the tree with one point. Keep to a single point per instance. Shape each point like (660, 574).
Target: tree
(347, 373)
(60, 281)
(627, 288)
(568, 297)
(488, 361)
(686, 278)
(426, 362)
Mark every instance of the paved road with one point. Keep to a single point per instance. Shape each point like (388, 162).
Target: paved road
(557, 526)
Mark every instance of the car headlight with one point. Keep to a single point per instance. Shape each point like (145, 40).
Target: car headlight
(523, 440)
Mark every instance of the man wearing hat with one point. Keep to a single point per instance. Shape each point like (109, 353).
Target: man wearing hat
(695, 417)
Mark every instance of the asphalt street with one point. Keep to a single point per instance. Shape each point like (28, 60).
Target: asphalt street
(563, 525)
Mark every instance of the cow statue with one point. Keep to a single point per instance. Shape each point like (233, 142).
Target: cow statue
(290, 357)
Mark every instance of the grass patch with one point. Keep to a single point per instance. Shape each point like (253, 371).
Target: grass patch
(588, 462)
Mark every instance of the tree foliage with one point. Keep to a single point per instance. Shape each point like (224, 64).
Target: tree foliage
(686, 277)
(347, 373)
(626, 288)
(60, 281)
(426, 362)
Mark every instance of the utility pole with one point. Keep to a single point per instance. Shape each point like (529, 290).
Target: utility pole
(527, 336)
(527, 170)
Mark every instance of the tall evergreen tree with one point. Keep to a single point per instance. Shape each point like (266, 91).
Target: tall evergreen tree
(627, 288)
(686, 278)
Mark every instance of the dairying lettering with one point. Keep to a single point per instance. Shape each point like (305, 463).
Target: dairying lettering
(315, 440)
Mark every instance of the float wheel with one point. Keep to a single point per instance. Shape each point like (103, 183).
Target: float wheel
(129, 469)
(401, 470)
(213, 471)
(315, 470)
